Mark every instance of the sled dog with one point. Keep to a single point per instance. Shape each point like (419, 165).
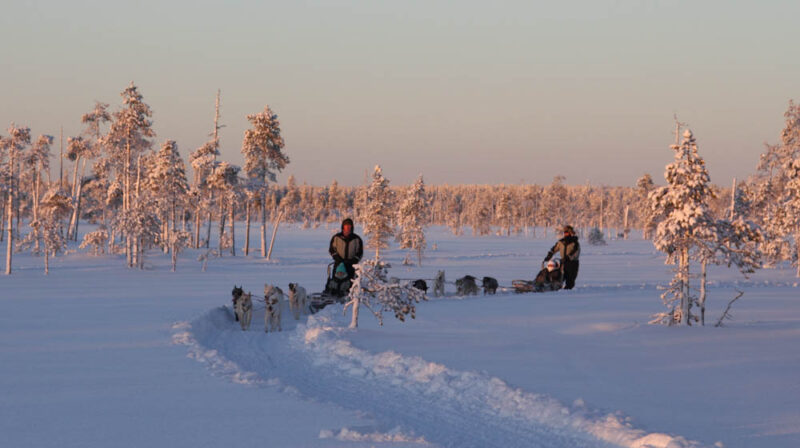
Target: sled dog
(489, 285)
(438, 284)
(466, 285)
(421, 285)
(272, 315)
(297, 300)
(244, 310)
(235, 295)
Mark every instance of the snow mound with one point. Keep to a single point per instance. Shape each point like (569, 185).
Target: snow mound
(489, 395)
(447, 407)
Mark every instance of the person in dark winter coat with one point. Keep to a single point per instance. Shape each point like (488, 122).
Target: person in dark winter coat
(346, 248)
(570, 251)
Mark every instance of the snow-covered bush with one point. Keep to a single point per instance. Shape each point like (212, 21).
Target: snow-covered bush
(372, 289)
(97, 239)
(596, 237)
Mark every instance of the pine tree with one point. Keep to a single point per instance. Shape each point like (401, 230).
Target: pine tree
(684, 224)
(412, 217)
(12, 147)
(167, 183)
(378, 213)
(262, 150)
(126, 140)
(56, 206)
(504, 213)
(38, 160)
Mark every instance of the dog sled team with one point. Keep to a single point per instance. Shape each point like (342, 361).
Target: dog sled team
(346, 248)
(273, 303)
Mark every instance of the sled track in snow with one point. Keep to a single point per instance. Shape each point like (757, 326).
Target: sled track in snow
(446, 407)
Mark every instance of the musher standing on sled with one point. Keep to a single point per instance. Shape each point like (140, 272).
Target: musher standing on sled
(346, 248)
(570, 251)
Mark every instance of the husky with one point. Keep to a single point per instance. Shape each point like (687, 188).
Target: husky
(466, 286)
(438, 284)
(421, 285)
(235, 295)
(273, 296)
(489, 285)
(297, 300)
(244, 310)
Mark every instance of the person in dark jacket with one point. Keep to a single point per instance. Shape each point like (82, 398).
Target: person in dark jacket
(346, 248)
(570, 251)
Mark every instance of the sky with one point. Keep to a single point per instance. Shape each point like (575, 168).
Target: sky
(460, 92)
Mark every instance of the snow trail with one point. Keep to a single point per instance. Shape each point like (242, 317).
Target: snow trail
(440, 405)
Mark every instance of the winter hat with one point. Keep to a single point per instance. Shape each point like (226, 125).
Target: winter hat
(552, 265)
(347, 221)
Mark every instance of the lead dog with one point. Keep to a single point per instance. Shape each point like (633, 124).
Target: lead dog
(272, 315)
(244, 310)
(235, 295)
(297, 300)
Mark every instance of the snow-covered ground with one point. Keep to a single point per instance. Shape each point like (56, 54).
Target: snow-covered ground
(99, 355)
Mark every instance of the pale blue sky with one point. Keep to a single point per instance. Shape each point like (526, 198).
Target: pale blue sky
(464, 92)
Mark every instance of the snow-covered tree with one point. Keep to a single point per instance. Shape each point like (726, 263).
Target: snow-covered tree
(371, 289)
(378, 213)
(684, 224)
(412, 217)
(263, 156)
(93, 121)
(127, 138)
(224, 181)
(36, 161)
(56, 206)
(166, 182)
(97, 239)
(12, 148)
(790, 222)
(203, 160)
(644, 185)
(505, 212)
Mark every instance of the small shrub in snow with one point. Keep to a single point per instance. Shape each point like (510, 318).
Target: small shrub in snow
(96, 239)
(373, 290)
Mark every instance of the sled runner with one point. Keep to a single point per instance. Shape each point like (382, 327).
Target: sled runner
(337, 286)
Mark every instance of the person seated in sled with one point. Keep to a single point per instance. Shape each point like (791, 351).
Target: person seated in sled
(570, 251)
(346, 248)
(549, 278)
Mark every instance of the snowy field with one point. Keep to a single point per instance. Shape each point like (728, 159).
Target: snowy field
(97, 355)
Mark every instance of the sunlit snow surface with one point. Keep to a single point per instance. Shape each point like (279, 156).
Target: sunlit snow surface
(98, 355)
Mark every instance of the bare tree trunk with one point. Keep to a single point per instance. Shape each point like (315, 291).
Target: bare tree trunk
(626, 229)
(247, 229)
(685, 292)
(274, 232)
(264, 225)
(354, 320)
(232, 219)
(208, 228)
(702, 299)
(221, 223)
(733, 200)
(2, 217)
(78, 202)
(10, 234)
(46, 260)
(197, 224)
